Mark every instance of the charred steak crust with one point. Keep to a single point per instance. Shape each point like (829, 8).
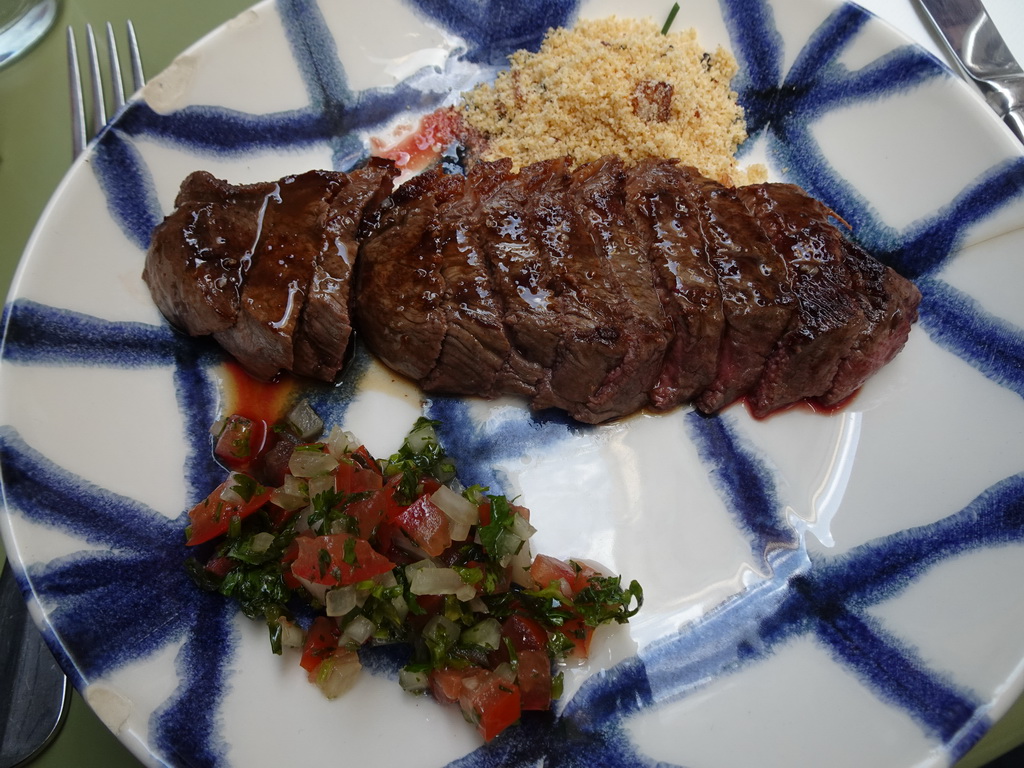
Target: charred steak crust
(623, 271)
(829, 316)
(599, 290)
(668, 224)
(266, 268)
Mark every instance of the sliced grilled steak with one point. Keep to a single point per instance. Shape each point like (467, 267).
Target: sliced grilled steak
(600, 290)
(399, 285)
(198, 255)
(889, 302)
(829, 318)
(557, 316)
(756, 300)
(668, 226)
(622, 274)
(476, 356)
(324, 331)
(247, 263)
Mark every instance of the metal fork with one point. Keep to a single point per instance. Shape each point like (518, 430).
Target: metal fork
(98, 101)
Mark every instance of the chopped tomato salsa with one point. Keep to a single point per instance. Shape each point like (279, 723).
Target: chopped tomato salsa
(395, 551)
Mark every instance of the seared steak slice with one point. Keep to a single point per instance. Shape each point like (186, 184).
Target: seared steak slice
(250, 264)
(399, 287)
(527, 236)
(624, 276)
(829, 318)
(325, 327)
(668, 226)
(476, 356)
(888, 300)
(590, 334)
(752, 276)
(199, 253)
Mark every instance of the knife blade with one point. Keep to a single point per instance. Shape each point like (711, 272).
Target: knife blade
(34, 693)
(983, 56)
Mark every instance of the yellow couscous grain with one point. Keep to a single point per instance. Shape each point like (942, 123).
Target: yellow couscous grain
(616, 86)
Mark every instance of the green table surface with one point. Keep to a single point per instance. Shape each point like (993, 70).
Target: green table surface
(35, 153)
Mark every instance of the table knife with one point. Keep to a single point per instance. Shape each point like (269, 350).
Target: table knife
(34, 693)
(983, 56)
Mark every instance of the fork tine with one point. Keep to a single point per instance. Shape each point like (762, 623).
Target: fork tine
(75, 89)
(138, 78)
(99, 108)
(116, 78)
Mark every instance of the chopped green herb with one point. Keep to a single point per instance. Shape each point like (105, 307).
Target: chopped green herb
(324, 562)
(245, 486)
(671, 18)
(349, 554)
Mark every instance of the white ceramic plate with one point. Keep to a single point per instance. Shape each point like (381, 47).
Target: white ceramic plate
(839, 590)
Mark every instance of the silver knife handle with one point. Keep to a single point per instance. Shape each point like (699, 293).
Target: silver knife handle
(1015, 119)
(983, 56)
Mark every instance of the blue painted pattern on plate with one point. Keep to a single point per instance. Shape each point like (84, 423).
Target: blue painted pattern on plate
(133, 551)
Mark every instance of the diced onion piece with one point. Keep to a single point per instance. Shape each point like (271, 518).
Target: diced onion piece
(477, 605)
(519, 567)
(319, 591)
(421, 437)
(401, 607)
(436, 581)
(319, 484)
(304, 422)
(459, 531)
(338, 672)
(358, 631)
(484, 634)
(310, 463)
(386, 579)
(229, 494)
(338, 602)
(441, 631)
(507, 545)
(261, 541)
(458, 508)
(413, 682)
(292, 635)
(521, 527)
(341, 443)
(291, 495)
(505, 671)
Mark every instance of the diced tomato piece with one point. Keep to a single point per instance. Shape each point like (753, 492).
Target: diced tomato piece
(273, 465)
(212, 516)
(446, 683)
(427, 525)
(546, 570)
(220, 566)
(321, 641)
(429, 485)
(580, 634)
(524, 633)
(491, 702)
(582, 580)
(350, 477)
(241, 442)
(534, 677)
(484, 511)
(371, 511)
(434, 132)
(523, 512)
(431, 604)
(362, 457)
(337, 559)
